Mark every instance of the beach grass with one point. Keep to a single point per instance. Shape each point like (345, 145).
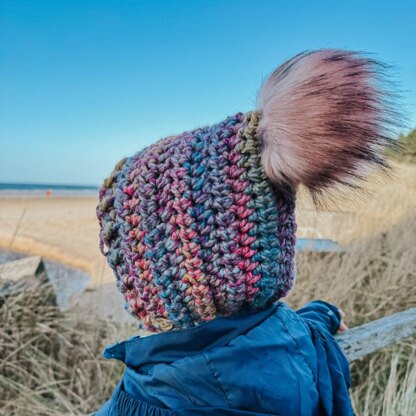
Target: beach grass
(51, 361)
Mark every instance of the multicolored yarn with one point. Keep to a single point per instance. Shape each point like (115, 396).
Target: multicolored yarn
(194, 229)
(202, 224)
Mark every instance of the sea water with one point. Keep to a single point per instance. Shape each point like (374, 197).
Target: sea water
(50, 190)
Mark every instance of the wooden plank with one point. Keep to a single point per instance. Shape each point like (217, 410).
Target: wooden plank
(25, 274)
(365, 339)
(19, 269)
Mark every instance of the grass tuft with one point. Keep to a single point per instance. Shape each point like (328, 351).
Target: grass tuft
(51, 362)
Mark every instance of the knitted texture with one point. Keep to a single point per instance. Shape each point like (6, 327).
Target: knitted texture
(202, 224)
(194, 229)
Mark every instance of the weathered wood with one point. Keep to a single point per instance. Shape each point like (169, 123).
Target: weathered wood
(19, 269)
(365, 339)
(20, 275)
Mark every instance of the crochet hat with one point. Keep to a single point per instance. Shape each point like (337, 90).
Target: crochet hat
(202, 224)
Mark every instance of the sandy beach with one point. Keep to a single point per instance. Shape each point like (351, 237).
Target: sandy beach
(65, 229)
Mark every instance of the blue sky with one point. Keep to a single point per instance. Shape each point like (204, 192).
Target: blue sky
(85, 83)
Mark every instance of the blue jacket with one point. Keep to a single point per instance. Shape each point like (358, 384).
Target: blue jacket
(273, 362)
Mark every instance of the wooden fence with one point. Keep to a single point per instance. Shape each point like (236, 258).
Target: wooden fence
(372, 336)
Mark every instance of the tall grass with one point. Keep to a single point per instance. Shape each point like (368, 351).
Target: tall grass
(375, 277)
(50, 363)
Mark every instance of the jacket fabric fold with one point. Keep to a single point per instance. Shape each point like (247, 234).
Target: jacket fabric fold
(273, 362)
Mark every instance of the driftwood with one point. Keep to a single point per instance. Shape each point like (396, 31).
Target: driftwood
(365, 339)
(22, 275)
(19, 269)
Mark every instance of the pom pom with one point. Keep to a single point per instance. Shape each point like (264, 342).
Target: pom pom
(327, 116)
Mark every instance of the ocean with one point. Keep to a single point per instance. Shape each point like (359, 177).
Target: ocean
(48, 190)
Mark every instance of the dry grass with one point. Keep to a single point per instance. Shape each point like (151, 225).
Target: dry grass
(374, 278)
(50, 364)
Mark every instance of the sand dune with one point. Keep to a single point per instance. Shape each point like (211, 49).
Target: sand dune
(63, 229)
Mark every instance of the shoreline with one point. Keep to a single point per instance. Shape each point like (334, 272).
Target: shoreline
(42, 194)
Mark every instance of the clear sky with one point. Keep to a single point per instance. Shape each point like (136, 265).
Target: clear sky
(84, 83)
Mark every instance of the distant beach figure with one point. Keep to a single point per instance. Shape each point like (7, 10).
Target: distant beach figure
(199, 229)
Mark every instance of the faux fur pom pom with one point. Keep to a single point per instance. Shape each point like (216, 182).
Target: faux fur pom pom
(327, 116)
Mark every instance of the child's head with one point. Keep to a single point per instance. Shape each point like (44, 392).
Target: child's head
(202, 224)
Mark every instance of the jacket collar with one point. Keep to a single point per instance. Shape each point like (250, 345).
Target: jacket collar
(168, 347)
